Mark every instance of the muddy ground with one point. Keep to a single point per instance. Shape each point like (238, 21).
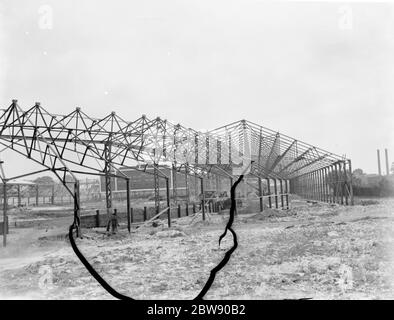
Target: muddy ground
(313, 250)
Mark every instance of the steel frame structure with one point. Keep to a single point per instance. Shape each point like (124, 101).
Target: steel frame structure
(77, 143)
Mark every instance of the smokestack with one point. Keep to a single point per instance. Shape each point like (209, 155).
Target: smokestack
(379, 168)
(387, 162)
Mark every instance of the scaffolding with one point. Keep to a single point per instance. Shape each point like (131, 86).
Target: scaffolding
(77, 143)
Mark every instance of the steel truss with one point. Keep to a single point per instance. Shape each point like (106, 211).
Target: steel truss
(79, 144)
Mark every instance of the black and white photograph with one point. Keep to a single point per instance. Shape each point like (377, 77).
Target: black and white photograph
(220, 151)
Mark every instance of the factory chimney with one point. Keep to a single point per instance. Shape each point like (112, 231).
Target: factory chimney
(379, 168)
(387, 162)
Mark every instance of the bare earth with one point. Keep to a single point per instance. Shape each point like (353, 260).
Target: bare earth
(313, 251)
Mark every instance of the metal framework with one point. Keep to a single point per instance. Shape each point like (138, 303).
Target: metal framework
(77, 143)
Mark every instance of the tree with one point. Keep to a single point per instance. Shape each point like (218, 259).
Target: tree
(69, 178)
(44, 180)
(357, 177)
(358, 172)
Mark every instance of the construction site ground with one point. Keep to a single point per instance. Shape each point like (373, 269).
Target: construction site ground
(313, 250)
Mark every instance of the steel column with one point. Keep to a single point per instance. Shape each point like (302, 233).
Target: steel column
(351, 183)
(276, 194)
(128, 204)
(5, 218)
(202, 198)
(281, 193)
(19, 195)
(269, 193)
(287, 187)
(77, 207)
(261, 195)
(156, 187)
(346, 184)
(168, 201)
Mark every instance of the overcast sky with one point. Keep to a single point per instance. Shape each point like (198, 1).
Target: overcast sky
(319, 72)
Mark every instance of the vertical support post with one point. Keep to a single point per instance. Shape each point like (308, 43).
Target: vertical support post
(145, 214)
(53, 195)
(174, 185)
(36, 194)
(202, 198)
(97, 218)
(327, 185)
(231, 184)
(336, 184)
(276, 194)
(19, 195)
(329, 177)
(351, 182)
(281, 193)
(196, 186)
(341, 180)
(318, 194)
(179, 210)
(323, 185)
(77, 207)
(187, 185)
(346, 184)
(287, 187)
(168, 202)
(108, 187)
(269, 193)
(305, 186)
(316, 185)
(156, 186)
(261, 195)
(310, 186)
(5, 220)
(128, 204)
(331, 182)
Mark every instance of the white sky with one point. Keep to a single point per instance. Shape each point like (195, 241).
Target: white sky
(288, 66)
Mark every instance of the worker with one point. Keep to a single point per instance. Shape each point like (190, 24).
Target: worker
(113, 223)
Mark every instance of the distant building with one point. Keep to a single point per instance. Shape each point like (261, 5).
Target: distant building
(142, 183)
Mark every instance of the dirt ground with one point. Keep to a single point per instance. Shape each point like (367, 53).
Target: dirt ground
(313, 250)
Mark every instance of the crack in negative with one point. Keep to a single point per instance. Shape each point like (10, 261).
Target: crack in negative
(228, 254)
(212, 275)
